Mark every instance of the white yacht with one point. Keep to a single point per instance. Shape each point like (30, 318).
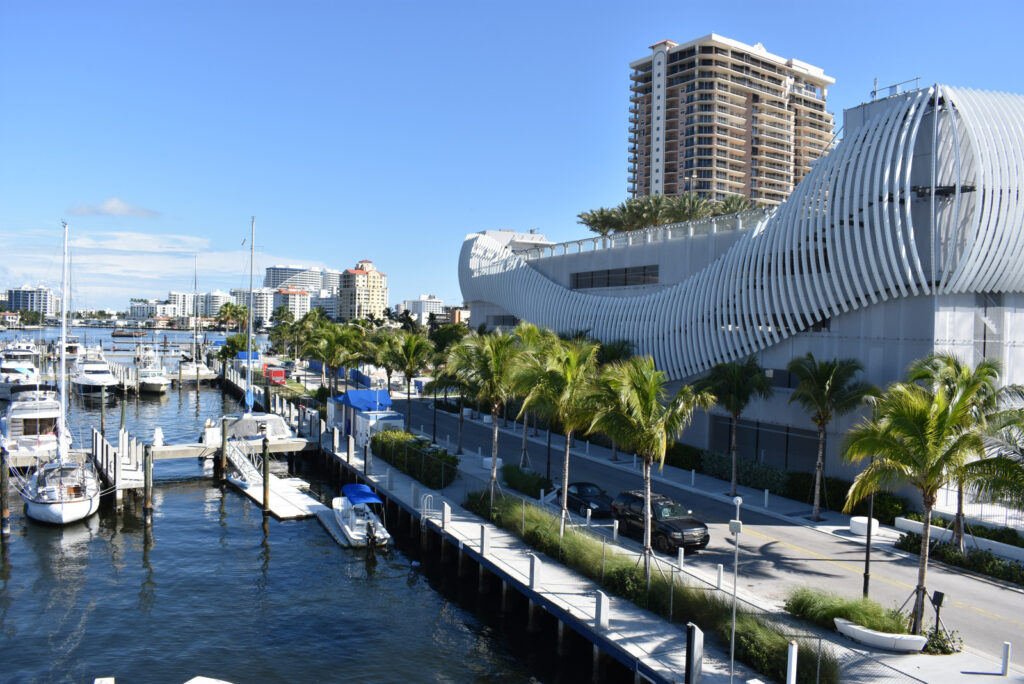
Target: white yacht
(17, 367)
(29, 427)
(91, 373)
(151, 375)
(356, 518)
(61, 490)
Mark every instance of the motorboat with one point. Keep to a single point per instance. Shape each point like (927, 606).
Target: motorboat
(60, 490)
(249, 427)
(91, 373)
(29, 426)
(73, 347)
(17, 367)
(150, 371)
(355, 516)
(189, 369)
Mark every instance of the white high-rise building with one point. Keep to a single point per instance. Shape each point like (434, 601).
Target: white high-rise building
(40, 299)
(293, 299)
(185, 301)
(300, 277)
(213, 301)
(420, 309)
(263, 303)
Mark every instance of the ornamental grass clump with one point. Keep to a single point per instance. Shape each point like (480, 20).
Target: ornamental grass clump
(822, 608)
(525, 481)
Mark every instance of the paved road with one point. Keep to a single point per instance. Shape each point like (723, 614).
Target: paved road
(776, 556)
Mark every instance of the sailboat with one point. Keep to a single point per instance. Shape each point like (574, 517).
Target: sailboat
(61, 490)
(194, 369)
(250, 426)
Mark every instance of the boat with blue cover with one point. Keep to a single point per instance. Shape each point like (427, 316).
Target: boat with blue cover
(355, 515)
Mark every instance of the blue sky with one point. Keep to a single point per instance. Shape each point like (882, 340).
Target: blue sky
(383, 131)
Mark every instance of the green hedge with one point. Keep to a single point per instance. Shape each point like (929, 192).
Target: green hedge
(758, 643)
(1005, 535)
(433, 466)
(524, 481)
(978, 560)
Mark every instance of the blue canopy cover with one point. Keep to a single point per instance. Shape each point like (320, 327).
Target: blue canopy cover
(359, 494)
(365, 400)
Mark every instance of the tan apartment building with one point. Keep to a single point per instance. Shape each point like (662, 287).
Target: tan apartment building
(364, 292)
(715, 116)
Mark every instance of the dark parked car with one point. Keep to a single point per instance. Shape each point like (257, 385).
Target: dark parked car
(587, 495)
(672, 525)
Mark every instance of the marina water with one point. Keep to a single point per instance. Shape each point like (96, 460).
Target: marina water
(211, 591)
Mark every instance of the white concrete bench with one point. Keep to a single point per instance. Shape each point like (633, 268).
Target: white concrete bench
(904, 643)
(859, 525)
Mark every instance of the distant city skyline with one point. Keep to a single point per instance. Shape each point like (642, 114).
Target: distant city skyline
(384, 132)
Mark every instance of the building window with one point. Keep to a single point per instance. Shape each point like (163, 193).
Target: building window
(615, 277)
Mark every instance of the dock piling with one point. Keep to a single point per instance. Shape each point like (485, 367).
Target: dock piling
(123, 411)
(5, 504)
(147, 505)
(535, 566)
(266, 476)
(601, 613)
(446, 515)
(103, 411)
(222, 457)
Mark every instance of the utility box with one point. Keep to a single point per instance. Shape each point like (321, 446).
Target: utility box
(275, 375)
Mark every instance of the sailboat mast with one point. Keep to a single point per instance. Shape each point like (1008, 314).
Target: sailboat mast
(248, 339)
(195, 312)
(62, 393)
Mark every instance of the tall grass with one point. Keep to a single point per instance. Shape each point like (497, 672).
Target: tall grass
(758, 643)
(822, 607)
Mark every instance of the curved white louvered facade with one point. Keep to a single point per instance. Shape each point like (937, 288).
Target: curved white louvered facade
(908, 204)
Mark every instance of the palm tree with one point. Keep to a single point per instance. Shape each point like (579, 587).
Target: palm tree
(380, 351)
(413, 351)
(826, 389)
(690, 207)
(533, 345)
(629, 409)
(946, 373)
(735, 384)
(227, 314)
(561, 385)
(733, 204)
(601, 221)
(917, 436)
(459, 374)
(610, 352)
(485, 364)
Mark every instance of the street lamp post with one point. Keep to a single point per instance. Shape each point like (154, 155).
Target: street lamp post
(867, 545)
(735, 527)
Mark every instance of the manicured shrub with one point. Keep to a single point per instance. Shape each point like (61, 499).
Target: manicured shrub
(525, 481)
(683, 456)
(977, 560)
(749, 473)
(414, 456)
(1004, 535)
(821, 607)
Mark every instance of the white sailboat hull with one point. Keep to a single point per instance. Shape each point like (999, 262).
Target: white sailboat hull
(63, 512)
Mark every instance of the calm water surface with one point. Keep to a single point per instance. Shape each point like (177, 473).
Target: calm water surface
(211, 592)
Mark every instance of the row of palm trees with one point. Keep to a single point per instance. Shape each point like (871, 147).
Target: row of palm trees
(656, 210)
(946, 423)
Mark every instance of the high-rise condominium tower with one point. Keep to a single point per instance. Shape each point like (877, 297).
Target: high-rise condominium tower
(715, 116)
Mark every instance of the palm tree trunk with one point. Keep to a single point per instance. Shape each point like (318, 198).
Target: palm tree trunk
(922, 566)
(818, 467)
(732, 449)
(408, 404)
(458, 451)
(565, 482)
(615, 451)
(526, 425)
(958, 521)
(647, 517)
(494, 451)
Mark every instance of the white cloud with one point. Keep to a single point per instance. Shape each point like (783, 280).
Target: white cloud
(140, 242)
(112, 207)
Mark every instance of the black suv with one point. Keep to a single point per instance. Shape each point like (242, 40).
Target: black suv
(672, 526)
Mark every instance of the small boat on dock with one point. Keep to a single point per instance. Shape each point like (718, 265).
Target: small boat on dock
(17, 366)
(355, 516)
(249, 427)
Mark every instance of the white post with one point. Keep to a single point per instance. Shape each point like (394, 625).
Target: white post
(681, 557)
(588, 447)
(766, 498)
(634, 460)
(446, 515)
(387, 480)
(421, 428)
(414, 491)
(535, 566)
(693, 477)
(480, 452)
(615, 530)
(791, 663)
(1006, 658)
(601, 613)
(483, 540)
(541, 494)
(718, 582)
